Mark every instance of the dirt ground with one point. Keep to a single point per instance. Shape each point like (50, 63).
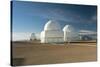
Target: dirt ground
(32, 53)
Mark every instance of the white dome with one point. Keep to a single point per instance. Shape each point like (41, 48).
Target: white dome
(68, 28)
(33, 37)
(70, 33)
(52, 25)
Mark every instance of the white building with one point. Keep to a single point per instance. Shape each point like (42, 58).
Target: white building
(52, 33)
(70, 34)
(33, 37)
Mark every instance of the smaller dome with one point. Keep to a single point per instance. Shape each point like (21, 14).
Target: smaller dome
(68, 28)
(70, 33)
(33, 37)
(52, 25)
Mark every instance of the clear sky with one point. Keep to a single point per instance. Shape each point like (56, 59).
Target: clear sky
(32, 16)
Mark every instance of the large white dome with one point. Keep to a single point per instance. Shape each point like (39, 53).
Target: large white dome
(52, 25)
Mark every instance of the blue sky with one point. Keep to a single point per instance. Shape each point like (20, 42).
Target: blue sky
(32, 16)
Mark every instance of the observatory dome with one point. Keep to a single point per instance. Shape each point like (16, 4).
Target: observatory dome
(70, 33)
(52, 25)
(68, 28)
(52, 33)
(33, 37)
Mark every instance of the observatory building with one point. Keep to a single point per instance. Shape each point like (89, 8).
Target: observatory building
(70, 34)
(33, 37)
(52, 33)
(67, 33)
